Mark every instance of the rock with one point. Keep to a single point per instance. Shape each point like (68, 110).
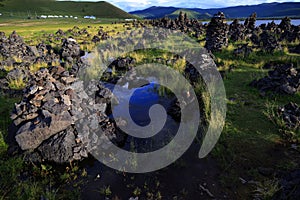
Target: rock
(59, 148)
(122, 64)
(60, 33)
(96, 39)
(289, 186)
(30, 136)
(290, 114)
(295, 49)
(244, 50)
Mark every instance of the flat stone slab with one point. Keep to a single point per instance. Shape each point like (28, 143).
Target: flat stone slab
(31, 135)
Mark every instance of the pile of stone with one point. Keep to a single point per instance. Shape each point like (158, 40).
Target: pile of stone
(59, 117)
(236, 31)
(60, 33)
(285, 24)
(18, 57)
(13, 47)
(291, 34)
(295, 49)
(103, 35)
(122, 64)
(15, 51)
(284, 79)
(243, 50)
(217, 33)
(250, 23)
(70, 51)
(100, 36)
(290, 113)
(182, 23)
(268, 42)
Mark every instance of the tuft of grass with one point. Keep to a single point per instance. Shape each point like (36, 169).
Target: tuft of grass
(204, 96)
(3, 145)
(10, 170)
(55, 63)
(8, 68)
(17, 59)
(17, 83)
(88, 47)
(37, 66)
(139, 57)
(290, 134)
(180, 65)
(266, 189)
(106, 191)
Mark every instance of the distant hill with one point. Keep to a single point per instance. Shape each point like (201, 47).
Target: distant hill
(265, 10)
(190, 14)
(154, 12)
(99, 9)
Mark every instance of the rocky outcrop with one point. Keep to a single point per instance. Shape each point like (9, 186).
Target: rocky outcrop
(284, 79)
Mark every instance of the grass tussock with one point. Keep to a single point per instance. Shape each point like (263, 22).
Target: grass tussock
(290, 134)
(37, 66)
(17, 83)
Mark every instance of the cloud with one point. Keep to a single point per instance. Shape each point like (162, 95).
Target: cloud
(131, 5)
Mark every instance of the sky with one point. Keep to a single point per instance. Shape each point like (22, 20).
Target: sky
(131, 5)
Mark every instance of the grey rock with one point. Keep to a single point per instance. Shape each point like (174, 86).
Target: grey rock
(30, 136)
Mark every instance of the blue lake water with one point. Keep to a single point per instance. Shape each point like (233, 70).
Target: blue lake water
(295, 22)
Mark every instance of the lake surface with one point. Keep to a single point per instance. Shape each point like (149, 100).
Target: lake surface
(295, 22)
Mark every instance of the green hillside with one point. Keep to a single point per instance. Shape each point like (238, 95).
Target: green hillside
(265, 10)
(99, 9)
(190, 14)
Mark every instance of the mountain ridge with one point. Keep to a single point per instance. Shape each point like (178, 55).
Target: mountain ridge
(264, 10)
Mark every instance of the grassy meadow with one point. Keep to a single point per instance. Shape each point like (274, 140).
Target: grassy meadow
(249, 142)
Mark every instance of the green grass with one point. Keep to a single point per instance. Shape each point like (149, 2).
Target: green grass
(17, 83)
(249, 135)
(33, 31)
(31, 8)
(190, 14)
(250, 138)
